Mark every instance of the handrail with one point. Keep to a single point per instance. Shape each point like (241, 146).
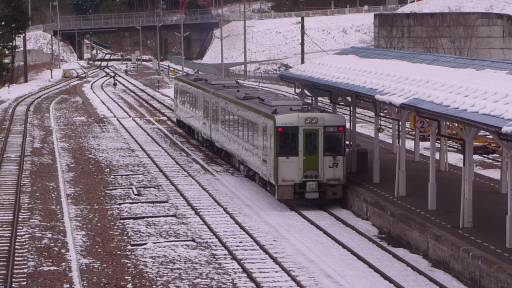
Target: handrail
(193, 16)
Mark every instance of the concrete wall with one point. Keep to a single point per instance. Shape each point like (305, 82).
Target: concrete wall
(476, 35)
(33, 57)
(466, 262)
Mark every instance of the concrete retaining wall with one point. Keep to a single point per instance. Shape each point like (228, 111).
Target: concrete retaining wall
(476, 35)
(33, 57)
(471, 265)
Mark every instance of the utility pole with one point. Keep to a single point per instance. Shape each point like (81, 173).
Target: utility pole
(182, 45)
(158, 43)
(140, 42)
(302, 42)
(221, 36)
(51, 42)
(25, 55)
(245, 41)
(58, 32)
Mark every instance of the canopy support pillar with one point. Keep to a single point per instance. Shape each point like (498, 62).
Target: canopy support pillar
(432, 183)
(416, 139)
(394, 136)
(468, 174)
(376, 145)
(505, 163)
(507, 150)
(400, 182)
(505, 167)
(353, 135)
(443, 149)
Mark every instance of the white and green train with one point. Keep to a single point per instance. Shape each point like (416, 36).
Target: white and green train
(294, 150)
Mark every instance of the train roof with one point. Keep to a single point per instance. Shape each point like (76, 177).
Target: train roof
(262, 100)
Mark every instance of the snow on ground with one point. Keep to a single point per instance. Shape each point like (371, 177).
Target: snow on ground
(276, 41)
(281, 229)
(280, 38)
(9, 93)
(367, 228)
(426, 6)
(38, 40)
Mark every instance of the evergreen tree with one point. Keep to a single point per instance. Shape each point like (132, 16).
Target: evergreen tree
(13, 23)
(84, 7)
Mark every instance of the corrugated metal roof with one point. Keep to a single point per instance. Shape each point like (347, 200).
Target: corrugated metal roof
(429, 59)
(475, 91)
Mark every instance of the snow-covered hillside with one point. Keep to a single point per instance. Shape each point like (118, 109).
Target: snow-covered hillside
(39, 40)
(280, 38)
(277, 41)
(498, 6)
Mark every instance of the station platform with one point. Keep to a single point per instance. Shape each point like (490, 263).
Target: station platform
(490, 206)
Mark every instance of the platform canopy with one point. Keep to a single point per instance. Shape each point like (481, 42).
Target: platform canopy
(472, 91)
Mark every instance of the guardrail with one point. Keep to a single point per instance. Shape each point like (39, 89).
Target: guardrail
(153, 18)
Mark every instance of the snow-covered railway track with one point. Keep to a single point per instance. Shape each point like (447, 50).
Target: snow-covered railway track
(381, 259)
(388, 264)
(259, 264)
(12, 161)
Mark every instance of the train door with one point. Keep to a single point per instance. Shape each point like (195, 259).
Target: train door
(311, 153)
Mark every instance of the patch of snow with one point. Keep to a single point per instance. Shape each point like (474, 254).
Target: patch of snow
(507, 129)
(279, 39)
(367, 228)
(75, 270)
(9, 93)
(38, 40)
(427, 6)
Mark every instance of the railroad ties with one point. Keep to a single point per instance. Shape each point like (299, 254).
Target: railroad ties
(10, 179)
(260, 266)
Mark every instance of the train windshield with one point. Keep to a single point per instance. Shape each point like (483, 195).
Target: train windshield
(288, 141)
(334, 141)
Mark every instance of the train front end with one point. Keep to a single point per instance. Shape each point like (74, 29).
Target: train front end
(310, 156)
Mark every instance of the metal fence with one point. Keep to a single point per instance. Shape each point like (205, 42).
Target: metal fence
(153, 18)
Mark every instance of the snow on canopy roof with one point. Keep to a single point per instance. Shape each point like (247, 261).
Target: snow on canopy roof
(471, 90)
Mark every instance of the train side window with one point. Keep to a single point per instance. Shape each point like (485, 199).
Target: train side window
(334, 141)
(206, 110)
(223, 119)
(264, 138)
(244, 130)
(250, 136)
(215, 113)
(288, 141)
(236, 125)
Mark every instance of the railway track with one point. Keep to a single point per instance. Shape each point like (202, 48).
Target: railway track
(258, 263)
(393, 258)
(12, 161)
(391, 266)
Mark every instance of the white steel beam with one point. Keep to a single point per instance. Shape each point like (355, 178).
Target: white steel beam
(443, 149)
(505, 167)
(508, 148)
(416, 139)
(400, 189)
(376, 145)
(432, 183)
(468, 174)
(394, 136)
(353, 133)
